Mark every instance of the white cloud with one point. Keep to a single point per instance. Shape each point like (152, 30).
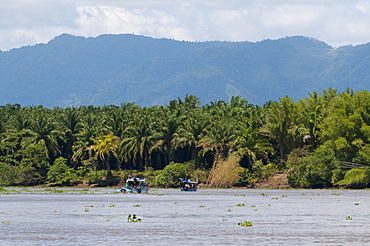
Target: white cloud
(338, 22)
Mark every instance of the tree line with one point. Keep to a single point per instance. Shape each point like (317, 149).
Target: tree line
(320, 141)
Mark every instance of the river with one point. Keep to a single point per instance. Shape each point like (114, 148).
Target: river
(96, 216)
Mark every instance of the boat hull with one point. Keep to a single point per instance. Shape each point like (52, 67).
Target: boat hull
(184, 189)
(138, 191)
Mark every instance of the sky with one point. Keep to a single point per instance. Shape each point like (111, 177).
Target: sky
(336, 22)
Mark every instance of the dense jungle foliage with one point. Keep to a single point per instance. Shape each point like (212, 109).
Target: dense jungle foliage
(320, 141)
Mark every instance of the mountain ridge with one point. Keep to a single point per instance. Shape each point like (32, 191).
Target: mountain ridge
(114, 68)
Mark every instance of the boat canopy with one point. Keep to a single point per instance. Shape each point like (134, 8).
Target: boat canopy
(188, 181)
(135, 179)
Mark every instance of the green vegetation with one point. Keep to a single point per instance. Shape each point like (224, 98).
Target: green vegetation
(245, 223)
(320, 141)
(133, 218)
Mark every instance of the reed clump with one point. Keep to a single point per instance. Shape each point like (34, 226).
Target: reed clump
(225, 172)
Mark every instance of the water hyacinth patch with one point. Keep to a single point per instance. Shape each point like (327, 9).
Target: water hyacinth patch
(133, 218)
(245, 223)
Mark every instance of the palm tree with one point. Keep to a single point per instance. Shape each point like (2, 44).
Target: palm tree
(167, 128)
(69, 124)
(138, 140)
(91, 126)
(280, 123)
(105, 147)
(251, 142)
(190, 132)
(219, 138)
(43, 131)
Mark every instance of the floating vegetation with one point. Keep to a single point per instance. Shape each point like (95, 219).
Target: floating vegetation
(54, 190)
(284, 196)
(108, 219)
(5, 222)
(253, 206)
(137, 205)
(335, 194)
(263, 194)
(357, 203)
(202, 206)
(240, 195)
(133, 218)
(87, 210)
(240, 205)
(153, 194)
(245, 223)
(276, 198)
(224, 219)
(9, 192)
(348, 218)
(112, 205)
(229, 210)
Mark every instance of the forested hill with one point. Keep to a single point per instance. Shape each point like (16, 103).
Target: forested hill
(111, 69)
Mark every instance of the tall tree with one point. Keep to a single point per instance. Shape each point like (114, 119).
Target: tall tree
(280, 123)
(43, 131)
(104, 148)
(138, 140)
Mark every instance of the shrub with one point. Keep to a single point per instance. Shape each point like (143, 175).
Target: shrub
(262, 172)
(60, 173)
(170, 176)
(8, 174)
(315, 170)
(200, 176)
(151, 176)
(356, 178)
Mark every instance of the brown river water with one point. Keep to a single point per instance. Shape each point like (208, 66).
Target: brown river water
(65, 216)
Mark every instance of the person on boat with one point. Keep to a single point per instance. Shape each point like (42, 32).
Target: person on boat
(135, 182)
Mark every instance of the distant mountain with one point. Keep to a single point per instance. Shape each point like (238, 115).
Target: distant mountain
(111, 69)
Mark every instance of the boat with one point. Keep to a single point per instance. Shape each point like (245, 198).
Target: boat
(188, 185)
(134, 185)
